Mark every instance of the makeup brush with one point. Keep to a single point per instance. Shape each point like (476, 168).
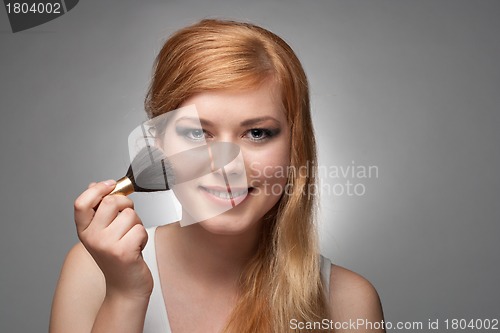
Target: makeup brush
(152, 171)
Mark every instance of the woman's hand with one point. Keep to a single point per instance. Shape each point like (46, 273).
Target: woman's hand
(113, 234)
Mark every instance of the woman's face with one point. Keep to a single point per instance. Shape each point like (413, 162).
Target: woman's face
(234, 199)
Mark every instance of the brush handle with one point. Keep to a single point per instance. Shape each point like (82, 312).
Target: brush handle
(123, 186)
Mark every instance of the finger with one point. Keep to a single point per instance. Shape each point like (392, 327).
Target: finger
(85, 203)
(123, 223)
(91, 185)
(137, 237)
(108, 210)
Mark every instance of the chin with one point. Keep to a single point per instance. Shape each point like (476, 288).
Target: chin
(228, 225)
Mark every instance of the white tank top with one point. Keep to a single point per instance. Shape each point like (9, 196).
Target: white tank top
(156, 315)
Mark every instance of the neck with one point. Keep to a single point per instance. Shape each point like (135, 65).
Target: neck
(218, 258)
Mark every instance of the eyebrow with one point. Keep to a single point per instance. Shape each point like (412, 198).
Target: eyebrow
(245, 123)
(254, 121)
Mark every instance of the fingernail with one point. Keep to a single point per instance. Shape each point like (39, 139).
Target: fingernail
(109, 182)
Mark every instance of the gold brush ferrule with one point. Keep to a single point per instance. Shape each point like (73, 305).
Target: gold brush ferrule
(123, 186)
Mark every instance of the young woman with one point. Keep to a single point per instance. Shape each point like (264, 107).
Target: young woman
(253, 268)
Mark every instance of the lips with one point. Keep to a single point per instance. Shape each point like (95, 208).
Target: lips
(223, 195)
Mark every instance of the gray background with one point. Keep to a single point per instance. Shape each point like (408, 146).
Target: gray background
(411, 87)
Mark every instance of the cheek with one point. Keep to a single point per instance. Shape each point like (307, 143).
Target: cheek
(170, 143)
(267, 167)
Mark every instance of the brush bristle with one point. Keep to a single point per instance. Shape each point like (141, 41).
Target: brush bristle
(150, 171)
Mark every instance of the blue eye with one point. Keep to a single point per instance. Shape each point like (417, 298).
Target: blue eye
(196, 134)
(193, 134)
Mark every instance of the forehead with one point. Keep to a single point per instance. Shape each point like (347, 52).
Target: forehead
(226, 105)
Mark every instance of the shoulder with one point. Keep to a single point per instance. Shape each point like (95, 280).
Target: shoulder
(79, 292)
(353, 297)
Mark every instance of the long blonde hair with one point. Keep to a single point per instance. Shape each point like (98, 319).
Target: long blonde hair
(282, 282)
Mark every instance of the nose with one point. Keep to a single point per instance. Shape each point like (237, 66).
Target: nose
(227, 158)
(199, 161)
(235, 167)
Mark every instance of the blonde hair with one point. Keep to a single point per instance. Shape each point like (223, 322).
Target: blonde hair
(283, 281)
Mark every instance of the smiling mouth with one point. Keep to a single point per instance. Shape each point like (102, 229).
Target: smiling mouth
(225, 194)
